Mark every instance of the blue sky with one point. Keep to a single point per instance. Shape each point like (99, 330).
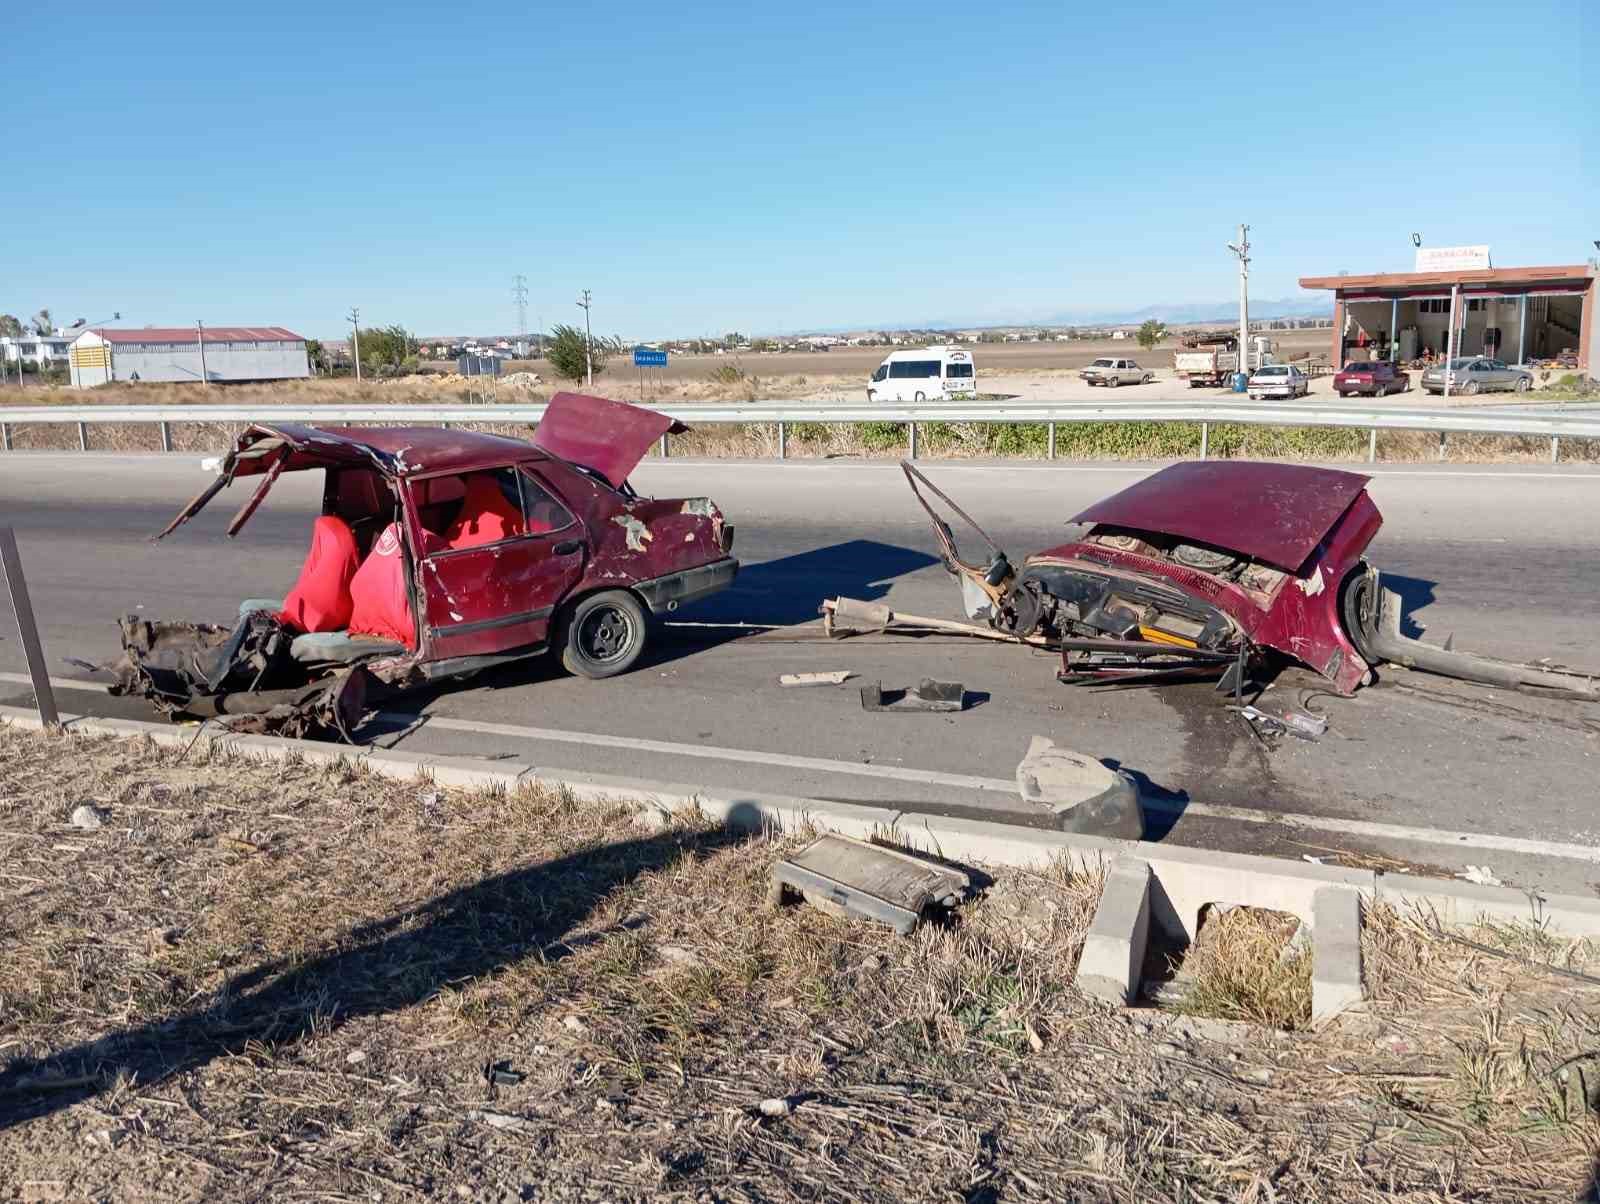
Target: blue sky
(703, 168)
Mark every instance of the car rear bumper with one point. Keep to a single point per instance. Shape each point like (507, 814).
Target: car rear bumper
(665, 594)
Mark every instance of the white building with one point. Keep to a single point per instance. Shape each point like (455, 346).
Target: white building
(41, 350)
(160, 353)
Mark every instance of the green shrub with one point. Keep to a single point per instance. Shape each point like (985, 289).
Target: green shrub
(882, 436)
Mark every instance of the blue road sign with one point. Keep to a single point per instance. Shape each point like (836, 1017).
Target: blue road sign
(645, 357)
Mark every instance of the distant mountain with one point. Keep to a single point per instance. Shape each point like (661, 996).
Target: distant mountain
(1197, 313)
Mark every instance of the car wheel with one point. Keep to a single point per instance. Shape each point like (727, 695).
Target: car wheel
(1148, 377)
(1470, 388)
(1524, 383)
(1358, 610)
(1113, 381)
(603, 634)
(920, 397)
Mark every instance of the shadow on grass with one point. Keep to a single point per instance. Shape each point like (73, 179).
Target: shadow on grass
(390, 964)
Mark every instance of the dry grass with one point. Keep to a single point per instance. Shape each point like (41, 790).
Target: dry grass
(1244, 966)
(284, 981)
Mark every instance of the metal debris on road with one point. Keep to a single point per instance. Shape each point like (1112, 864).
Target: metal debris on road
(854, 879)
(1085, 796)
(1294, 722)
(926, 695)
(835, 678)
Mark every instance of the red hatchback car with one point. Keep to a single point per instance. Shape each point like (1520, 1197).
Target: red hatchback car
(1376, 379)
(439, 553)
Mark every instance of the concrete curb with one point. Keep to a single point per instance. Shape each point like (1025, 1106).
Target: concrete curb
(1112, 961)
(1149, 883)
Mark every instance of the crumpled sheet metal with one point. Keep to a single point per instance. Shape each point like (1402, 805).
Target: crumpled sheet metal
(205, 671)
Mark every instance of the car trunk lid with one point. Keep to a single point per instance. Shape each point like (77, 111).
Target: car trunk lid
(607, 437)
(1275, 513)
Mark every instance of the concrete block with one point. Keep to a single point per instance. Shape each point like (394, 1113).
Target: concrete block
(1112, 961)
(1335, 952)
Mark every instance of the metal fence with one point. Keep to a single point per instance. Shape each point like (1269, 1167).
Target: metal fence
(1554, 425)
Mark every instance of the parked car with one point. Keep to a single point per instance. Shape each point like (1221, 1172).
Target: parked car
(1279, 380)
(440, 553)
(1477, 374)
(1378, 378)
(1113, 372)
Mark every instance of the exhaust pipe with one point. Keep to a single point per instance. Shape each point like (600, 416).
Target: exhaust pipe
(1387, 644)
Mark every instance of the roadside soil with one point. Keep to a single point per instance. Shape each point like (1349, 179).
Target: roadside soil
(273, 980)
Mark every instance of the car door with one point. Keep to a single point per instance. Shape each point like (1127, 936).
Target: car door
(498, 595)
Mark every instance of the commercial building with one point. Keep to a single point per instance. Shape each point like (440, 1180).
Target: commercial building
(1518, 315)
(226, 354)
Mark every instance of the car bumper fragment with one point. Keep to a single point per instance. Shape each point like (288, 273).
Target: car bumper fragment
(666, 594)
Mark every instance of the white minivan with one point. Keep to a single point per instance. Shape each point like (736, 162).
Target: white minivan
(924, 374)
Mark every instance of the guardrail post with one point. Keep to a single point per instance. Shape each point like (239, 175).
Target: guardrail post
(1441, 444)
(166, 436)
(663, 445)
(11, 569)
(913, 449)
(1555, 448)
(5, 435)
(783, 440)
(1372, 445)
(1205, 439)
(1052, 452)
(83, 436)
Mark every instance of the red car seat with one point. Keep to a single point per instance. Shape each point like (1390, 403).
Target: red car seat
(320, 599)
(380, 592)
(486, 515)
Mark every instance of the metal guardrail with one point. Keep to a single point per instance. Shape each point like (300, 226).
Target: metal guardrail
(783, 414)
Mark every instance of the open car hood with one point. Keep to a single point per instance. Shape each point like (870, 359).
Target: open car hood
(1275, 513)
(609, 437)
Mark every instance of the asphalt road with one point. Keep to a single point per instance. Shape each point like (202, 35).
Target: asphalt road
(1421, 770)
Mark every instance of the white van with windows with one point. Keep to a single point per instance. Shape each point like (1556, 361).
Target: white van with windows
(924, 374)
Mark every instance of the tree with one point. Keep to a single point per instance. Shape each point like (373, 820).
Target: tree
(41, 322)
(10, 325)
(386, 347)
(1151, 333)
(317, 354)
(565, 350)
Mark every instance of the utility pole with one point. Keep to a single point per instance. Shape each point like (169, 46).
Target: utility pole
(354, 318)
(200, 337)
(1242, 250)
(588, 342)
(519, 293)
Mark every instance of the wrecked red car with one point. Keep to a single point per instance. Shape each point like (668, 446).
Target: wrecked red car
(1207, 569)
(439, 553)
(1193, 571)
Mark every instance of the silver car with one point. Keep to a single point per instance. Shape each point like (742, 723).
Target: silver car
(1477, 374)
(1279, 380)
(1113, 372)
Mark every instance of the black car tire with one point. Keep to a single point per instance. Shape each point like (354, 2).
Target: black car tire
(1524, 384)
(1148, 377)
(603, 634)
(1358, 610)
(920, 397)
(1470, 389)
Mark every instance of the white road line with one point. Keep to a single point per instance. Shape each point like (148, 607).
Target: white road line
(711, 753)
(1352, 827)
(1356, 827)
